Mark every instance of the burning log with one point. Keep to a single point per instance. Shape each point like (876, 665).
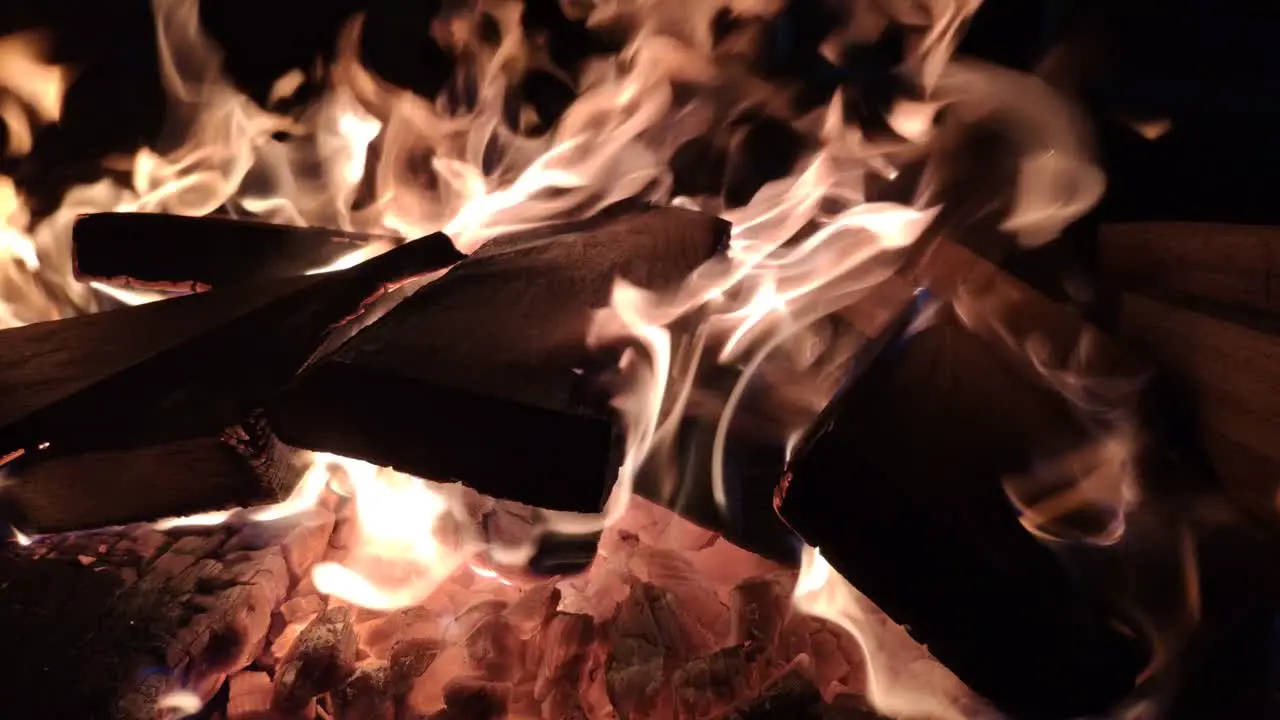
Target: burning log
(491, 364)
(172, 252)
(912, 458)
(1230, 369)
(1232, 264)
(134, 612)
(150, 410)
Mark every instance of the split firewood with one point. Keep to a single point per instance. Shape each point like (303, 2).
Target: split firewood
(322, 658)
(173, 252)
(1229, 361)
(493, 360)
(1236, 265)
(909, 468)
(111, 606)
(149, 411)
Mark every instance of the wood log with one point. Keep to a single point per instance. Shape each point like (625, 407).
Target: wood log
(484, 376)
(173, 252)
(51, 491)
(1232, 264)
(1228, 360)
(108, 621)
(907, 469)
(167, 391)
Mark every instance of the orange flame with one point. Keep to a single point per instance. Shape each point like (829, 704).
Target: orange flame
(803, 246)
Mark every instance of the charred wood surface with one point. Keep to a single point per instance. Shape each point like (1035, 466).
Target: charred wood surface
(177, 382)
(484, 376)
(108, 621)
(49, 491)
(1236, 265)
(907, 470)
(173, 252)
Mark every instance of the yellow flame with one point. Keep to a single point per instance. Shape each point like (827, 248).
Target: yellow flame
(405, 548)
(803, 246)
(903, 680)
(26, 73)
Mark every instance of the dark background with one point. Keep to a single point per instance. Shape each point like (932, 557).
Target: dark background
(1208, 67)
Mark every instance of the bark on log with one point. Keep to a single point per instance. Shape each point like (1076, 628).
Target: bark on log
(170, 388)
(484, 376)
(171, 252)
(1233, 264)
(50, 491)
(1229, 361)
(912, 457)
(109, 620)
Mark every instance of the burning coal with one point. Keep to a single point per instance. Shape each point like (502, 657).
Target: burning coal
(685, 92)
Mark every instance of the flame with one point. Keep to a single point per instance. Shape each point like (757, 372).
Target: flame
(371, 157)
(27, 76)
(179, 703)
(903, 680)
(406, 546)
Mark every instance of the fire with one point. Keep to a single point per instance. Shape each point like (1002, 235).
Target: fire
(802, 246)
(32, 87)
(903, 679)
(406, 546)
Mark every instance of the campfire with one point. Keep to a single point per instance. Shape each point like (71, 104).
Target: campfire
(631, 360)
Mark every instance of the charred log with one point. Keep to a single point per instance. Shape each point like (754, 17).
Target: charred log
(172, 252)
(176, 382)
(906, 470)
(484, 376)
(52, 491)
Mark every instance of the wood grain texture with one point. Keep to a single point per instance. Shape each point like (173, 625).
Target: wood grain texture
(49, 491)
(152, 410)
(484, 376)
(183, 367)
(1234, 264)
(149, 250)
(1234, 372)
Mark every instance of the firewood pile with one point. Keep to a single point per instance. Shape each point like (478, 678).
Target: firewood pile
(478, 371)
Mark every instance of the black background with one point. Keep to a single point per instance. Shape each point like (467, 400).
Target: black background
(1209, 67)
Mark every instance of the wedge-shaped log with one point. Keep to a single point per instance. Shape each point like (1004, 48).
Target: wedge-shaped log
(901, 486)
(173, 252)
(163, 395)
(484, 376)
